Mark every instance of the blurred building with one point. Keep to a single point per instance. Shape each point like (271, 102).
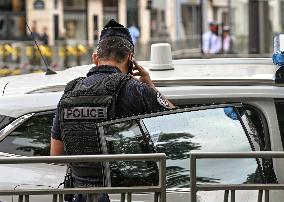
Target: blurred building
(253, 22)
(73, 20)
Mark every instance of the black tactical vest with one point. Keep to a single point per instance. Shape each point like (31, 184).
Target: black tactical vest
(80, 109)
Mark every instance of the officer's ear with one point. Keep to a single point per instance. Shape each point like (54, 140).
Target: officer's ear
(95, 59)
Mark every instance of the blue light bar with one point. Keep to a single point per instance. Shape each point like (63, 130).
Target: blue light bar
(278, 58)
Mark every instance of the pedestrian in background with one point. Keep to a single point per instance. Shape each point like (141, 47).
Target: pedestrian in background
(134, 32)
(211, 41)
(34, 35)
(44, 36)
(227, 41)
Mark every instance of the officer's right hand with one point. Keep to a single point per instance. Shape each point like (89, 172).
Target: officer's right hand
(144, 75)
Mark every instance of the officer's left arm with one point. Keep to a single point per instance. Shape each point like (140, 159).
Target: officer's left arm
(56, 144)
(56, 147)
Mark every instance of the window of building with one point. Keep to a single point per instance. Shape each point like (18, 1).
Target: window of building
(132, 12)
(239, 16)
(74, 4)
(56, 27)
(32, 138)
(55, 2)
(282, 16)
(12, 5)
(75, 20)
(75, 26)
(110, 3)
(110, 10)
(190, 19)
(12, 19)
(95, 29)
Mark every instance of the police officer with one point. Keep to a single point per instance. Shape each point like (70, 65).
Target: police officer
(110, 90)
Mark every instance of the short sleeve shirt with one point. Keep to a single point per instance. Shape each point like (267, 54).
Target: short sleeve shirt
(134, 97)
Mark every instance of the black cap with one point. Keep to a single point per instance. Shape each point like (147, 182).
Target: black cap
(113, 28)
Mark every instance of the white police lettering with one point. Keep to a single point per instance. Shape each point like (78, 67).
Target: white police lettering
(162, 101)
(85, 113)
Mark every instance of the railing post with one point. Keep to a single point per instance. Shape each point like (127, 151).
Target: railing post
(259, 198)
(20, 199)
(233, 196)
(266, 199)
(27, 198)
(156, 197)
(122, 198)
(60, 197)
(129, 197)
(162, 179)
(54, 199)
(226, 196)
(92, 197)
(193, 177)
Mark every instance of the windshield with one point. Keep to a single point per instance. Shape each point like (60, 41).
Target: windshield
(195, 29)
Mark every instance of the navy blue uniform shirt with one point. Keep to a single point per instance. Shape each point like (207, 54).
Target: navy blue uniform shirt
(134, 97)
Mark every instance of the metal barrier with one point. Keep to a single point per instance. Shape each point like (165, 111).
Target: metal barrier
(231, 187)
(159, 190)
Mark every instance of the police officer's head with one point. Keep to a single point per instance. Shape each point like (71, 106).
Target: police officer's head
(115, 46)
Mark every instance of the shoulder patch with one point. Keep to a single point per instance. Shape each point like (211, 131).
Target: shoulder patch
(162, 101)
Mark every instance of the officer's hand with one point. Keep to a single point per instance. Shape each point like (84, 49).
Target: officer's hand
(144, 75)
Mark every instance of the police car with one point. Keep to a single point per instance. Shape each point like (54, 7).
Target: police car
(223, 105)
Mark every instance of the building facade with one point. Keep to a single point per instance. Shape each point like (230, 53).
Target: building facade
(253, 22)
(74, 20)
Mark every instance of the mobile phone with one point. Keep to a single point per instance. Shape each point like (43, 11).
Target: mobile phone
(130, 66)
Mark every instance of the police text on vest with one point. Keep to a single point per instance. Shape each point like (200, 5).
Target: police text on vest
(85, 113)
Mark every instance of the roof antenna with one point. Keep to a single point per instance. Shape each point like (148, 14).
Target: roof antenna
(48, 70)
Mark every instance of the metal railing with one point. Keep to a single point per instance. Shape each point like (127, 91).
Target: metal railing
(231, 187)
(24, 194)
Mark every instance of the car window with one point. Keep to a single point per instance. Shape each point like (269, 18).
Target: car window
(279, 103)
(211, 130)
(257, 130)
(32, 138)
(5, 120)
(128, 138)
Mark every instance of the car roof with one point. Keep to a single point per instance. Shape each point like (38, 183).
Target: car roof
(190, 80)
(221, 71)
(203, 72)
(28, 83)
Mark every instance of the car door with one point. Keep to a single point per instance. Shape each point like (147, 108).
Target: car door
(225, 128)
(28, 135)
(175, 132)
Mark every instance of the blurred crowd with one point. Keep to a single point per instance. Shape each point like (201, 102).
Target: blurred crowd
(214, 43)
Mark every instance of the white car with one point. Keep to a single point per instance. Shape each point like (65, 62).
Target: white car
(224, 105)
